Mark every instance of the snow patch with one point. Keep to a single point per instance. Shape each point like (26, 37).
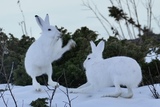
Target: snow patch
(24, 95)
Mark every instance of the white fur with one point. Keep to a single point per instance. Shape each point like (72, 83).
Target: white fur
(44, 51)
(113, 71)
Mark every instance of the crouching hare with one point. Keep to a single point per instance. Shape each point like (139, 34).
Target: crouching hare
(114, 71)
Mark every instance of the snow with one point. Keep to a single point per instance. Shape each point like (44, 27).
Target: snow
(152, 55)
(24, 95)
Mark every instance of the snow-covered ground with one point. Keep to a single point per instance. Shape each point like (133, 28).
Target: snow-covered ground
(24, 95)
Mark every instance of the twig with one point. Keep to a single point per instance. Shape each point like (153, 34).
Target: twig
(130, 16)
(67, 94)
(2, 96)
(95, 13)
(52, 95)
(10, 73)
(136, 13)
(153, 89)
(9, 88)
(23, 22)
(68, 98)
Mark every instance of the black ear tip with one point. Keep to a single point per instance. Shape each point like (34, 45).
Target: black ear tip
(36, 15)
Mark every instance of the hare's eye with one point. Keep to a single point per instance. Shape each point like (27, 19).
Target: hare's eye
(89, 58)
(49, 29)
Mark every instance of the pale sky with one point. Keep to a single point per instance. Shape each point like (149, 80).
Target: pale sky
(70, 14)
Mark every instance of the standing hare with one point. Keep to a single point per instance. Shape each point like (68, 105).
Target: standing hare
(108, 72)
(44, 51)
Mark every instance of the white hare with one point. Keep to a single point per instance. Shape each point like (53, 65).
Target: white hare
(108, 72)
(44, 51)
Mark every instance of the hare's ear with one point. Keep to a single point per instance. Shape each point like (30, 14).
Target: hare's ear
(40, 22)
(93, 46)
(47, 19)
(100, 46)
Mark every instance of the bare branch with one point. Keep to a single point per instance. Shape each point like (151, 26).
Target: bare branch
(130, 16)
(152, 87)
(67, 94)
(68, 98)
(52, 95)
(123, 37)
(157, 21)
(9, 87)
(23, 22)
(136, 13)
(149, 5)
(96, 14)
(2, 96)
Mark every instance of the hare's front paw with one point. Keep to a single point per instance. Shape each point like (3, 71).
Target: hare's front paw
(37, 86)
(53, 84)
(72, 43)
(115, 95)
(72, 91)
(127, 95)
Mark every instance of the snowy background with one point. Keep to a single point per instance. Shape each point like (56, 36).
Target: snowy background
(24, 95)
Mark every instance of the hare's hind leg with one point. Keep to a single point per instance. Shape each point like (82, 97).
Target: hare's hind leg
(87, 89)
(117, 92)
(84, 85)
(35, 84)
(50, 81)
(129, 94)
